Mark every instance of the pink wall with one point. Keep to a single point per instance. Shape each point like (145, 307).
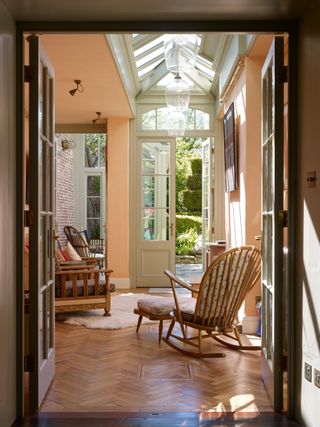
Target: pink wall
(118, 198)
(243, 215)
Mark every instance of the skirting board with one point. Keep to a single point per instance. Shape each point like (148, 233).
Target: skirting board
(123, 283)
(250, 324)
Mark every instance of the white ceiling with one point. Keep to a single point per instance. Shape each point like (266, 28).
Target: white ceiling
(154, 10)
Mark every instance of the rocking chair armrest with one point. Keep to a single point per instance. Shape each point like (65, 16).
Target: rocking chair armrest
(180, 282)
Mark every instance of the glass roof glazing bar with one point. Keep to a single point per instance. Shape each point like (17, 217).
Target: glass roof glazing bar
(143, 39)
(150, 62)
(147, 52)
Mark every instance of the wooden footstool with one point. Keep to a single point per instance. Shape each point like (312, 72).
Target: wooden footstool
(155, 308)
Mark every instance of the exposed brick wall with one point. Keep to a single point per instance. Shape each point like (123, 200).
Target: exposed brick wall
(65, 188)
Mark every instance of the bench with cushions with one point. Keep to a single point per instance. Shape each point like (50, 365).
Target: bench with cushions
(82, 286)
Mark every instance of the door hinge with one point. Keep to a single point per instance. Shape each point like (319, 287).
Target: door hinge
(28, 218)
(283, 74)
(283, 218)
(28, 363)
(28, 74)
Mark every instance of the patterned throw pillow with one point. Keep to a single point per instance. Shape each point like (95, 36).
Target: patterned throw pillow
(71, 253)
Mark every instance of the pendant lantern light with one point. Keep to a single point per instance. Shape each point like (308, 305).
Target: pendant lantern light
(180, 52)
(176, 123)
(178, 94)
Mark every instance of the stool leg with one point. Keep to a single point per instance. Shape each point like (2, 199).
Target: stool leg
(160, 330)
(139, 323)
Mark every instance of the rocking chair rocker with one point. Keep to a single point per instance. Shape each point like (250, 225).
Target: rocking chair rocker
(222, 290)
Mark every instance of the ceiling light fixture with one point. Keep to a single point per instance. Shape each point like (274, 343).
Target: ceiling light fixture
(180, 51)
(98, 113)
(79, 88)
(178, 94)
(176, 123)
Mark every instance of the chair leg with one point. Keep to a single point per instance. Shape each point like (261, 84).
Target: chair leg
(139, 323)
(106, 313)
(160, 330)
(170, 328)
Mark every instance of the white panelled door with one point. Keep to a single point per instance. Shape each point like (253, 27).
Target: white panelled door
(156, 211)
(272, 231)
(42, 219)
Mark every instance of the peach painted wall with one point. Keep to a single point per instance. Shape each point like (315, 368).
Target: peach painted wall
(243, 214)
(118, 199)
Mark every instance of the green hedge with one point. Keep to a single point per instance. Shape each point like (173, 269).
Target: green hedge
(192, 200)
(194, 182)
(186, 222)
(196, 166)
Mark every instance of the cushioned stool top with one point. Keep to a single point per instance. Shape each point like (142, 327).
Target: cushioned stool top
(156, 305)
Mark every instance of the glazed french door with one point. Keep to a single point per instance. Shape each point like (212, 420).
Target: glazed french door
(207, 195)
(272, 231)
(41, 223)
(156, 211)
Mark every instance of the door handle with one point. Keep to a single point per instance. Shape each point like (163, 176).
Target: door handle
(171, 229)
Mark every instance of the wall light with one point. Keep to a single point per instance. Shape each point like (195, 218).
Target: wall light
(67, 144)
(98, 118)
(79, 88)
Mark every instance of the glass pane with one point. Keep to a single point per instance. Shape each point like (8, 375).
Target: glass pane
(102, 148)
(93, 227)
(265, 178)
(270, 174)
(93, 207)
(149, 120)
(155, 224)
(48, 323)
(202, 120)
(161, 118)
(42, 250)
(42, 328)
(156, 158)
(41, 100)
(95, 150)
(93, 185)
(190, 123)
(155, 191)
(42, 175)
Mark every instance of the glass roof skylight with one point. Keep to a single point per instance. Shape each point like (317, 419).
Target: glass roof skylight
(148, 52)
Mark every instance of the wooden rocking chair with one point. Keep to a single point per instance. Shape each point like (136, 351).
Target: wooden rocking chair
(222, 290)
(82, 246)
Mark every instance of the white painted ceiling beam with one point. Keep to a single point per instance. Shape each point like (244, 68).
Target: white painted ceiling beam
(122, 59)
(199, 81)
(158, 74)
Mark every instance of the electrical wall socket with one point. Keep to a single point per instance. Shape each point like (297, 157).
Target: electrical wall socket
(308, 371)
(317, 377)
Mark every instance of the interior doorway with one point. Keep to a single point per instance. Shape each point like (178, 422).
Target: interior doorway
(160, 207)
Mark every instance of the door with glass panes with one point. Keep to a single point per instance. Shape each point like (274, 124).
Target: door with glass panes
(156, 211)
(95, 184)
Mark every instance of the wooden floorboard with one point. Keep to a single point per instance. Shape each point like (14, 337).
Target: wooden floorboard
(120, 371)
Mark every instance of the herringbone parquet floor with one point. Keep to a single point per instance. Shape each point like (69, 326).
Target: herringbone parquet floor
(105, 370)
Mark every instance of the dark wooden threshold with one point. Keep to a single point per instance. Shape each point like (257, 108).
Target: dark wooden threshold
(141, 419)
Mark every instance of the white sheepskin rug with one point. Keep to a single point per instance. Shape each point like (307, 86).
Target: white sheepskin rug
(122, 315)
